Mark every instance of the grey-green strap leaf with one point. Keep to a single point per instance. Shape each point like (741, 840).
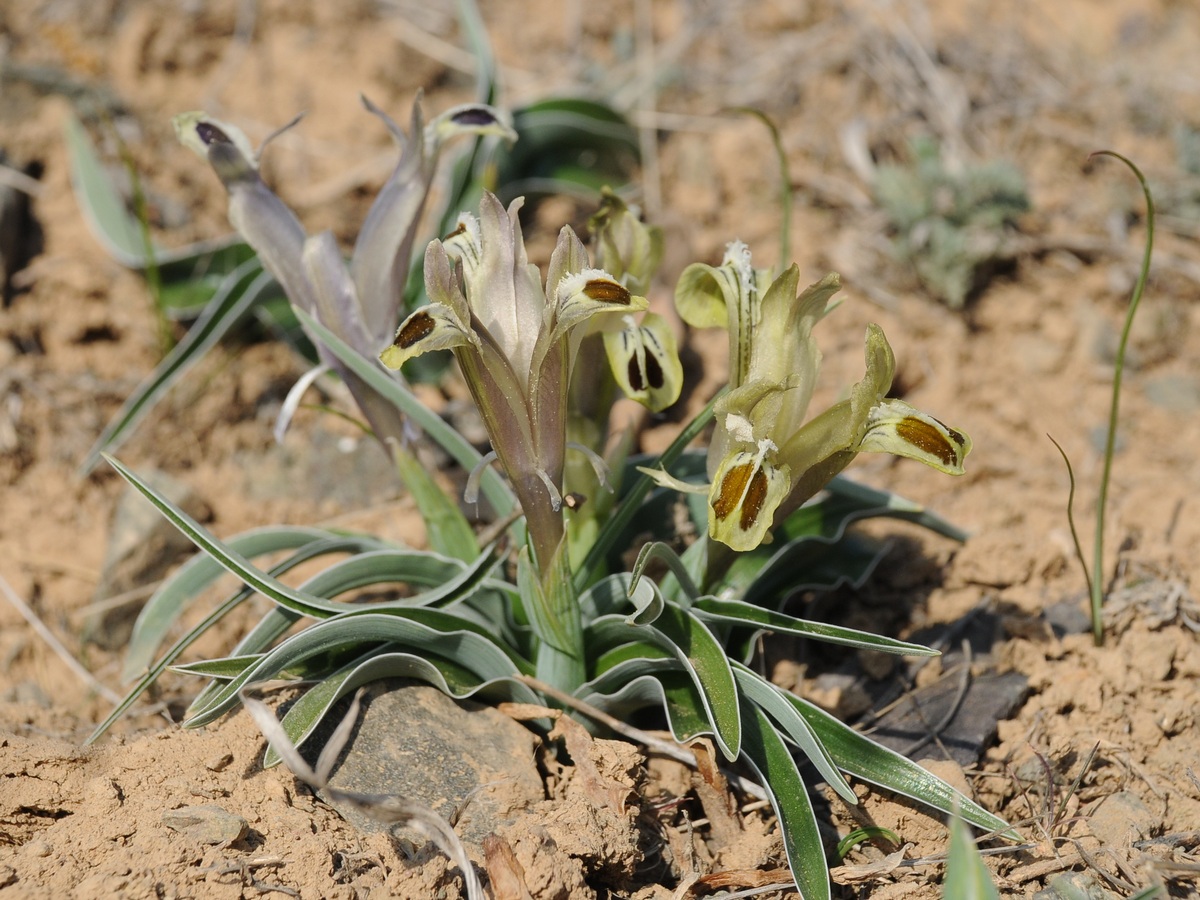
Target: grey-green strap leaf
(177, 593)
(308, 551)
(666, 554)
(767, 754)
(735, 612)
(863, 758)
(464, 646)
(705, 661)
(770, 699)
(238, 294)
(447, 676)
(297, 600)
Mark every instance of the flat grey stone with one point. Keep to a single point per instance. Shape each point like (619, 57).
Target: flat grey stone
(989, 699)
(206, 824)
(350, 472)
(468, 762)
(1177, 393)
(1122, 818)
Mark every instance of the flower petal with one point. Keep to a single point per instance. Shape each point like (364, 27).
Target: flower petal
(625, 247)
(471, 118)
(383, 250)
(726, 295)
(785, 350)
(432, 327)
(584, 294)
(504, 290)
(258, 215)
(645, 361)
(895, 427)
(745, 493)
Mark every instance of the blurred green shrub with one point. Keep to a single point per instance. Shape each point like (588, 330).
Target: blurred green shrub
(953, 227)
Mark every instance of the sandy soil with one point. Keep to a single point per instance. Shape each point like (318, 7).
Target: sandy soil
(1031, 354)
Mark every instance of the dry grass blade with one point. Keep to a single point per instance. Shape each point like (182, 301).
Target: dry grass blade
(54, 643)
(387, 809)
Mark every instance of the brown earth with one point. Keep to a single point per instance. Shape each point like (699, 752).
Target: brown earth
(1030, 355)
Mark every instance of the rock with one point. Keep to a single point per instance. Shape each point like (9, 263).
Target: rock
(1076, 886)
(1122, 818)
(1176, 393)
(1068, 617)
(989, 698)
(142, 548)
(468, 762)
(206, 824)
(350, 472)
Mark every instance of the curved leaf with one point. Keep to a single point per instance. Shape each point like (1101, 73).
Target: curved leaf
(736, 612)
(767, 754)
(770, 700)
(426, 632)
(705, 662)
(307, 552)
(177, 593)
(665, 554)
(662, 684)
(447, 676)
(863, 758)
(298, 601)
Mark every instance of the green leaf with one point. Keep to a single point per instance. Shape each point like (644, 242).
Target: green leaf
(608, 596)
(855, 497)
(632, 500)
(640, 650)
(641, 683)
(705, 661)
(447, 676)
(301, 601)
(176, 594)
(814, 563)
(448, 530)
(422, 631)
(736, 612)
(553, 608)
(771, 700)
(863, 758)
(229, 307)
(195, 574)
(498, 493)
(967, 878)
(665, 554)
(767, 754)
(566, 145)
(863, 834)
(225, 668)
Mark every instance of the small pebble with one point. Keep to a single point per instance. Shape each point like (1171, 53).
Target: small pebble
(206, 824)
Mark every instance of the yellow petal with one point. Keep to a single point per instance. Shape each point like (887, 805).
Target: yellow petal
(645, 361)
(432, 327)
(591, 292)
(895, 427)
(745, 493)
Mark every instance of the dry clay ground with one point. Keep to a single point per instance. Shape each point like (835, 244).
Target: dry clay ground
(1040, 87)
